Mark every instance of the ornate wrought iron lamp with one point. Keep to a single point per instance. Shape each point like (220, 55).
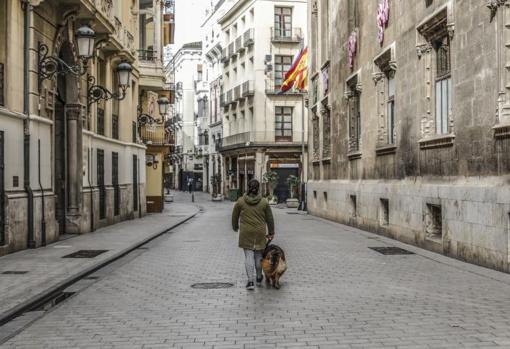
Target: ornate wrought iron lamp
(49, 66)
(146, 119)
(95, 92)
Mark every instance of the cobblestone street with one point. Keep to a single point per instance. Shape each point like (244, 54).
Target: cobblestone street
(337, 293)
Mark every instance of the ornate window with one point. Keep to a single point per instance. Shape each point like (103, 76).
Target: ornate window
(436, 33)
(326, 132)
(443, 84)
(353, 94)
(316, 137)
(384, 79)
(315, 90)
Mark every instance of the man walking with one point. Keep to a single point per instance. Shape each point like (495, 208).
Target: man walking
(190, 184)
(253, 218)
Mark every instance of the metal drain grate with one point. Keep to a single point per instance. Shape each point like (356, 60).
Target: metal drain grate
(212, 285)
(14, 272)
(391, 250)
(292, 212)
(85, 254)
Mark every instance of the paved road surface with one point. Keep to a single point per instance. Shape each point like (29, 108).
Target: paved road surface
(337, 293)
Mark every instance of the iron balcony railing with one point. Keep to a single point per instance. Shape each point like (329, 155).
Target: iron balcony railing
(231, 50)
(244, 139)
(147, 55)
(249, 37)
(239, 44)
(155, 135)
(273, 88)
(237, 93)
(248, 88)
(293, 35)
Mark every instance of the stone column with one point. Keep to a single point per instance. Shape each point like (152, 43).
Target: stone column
(74, 167)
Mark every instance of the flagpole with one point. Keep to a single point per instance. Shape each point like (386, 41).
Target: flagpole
(302, 205)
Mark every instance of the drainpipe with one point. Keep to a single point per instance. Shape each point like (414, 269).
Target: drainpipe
(89, 167)
(27, 9)
(43, 219)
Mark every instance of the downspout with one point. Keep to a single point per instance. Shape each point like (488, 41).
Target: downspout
(43, 218)
(27, 10)
(89, 170)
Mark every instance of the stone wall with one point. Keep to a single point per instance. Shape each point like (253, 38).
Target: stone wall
(464, 171)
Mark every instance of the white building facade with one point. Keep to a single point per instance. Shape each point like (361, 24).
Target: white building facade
(186, 71)
(262, 129)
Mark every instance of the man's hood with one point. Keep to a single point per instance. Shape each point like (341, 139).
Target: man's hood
(252, 199)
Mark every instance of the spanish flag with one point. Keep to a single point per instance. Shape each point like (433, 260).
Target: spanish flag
(297, 76)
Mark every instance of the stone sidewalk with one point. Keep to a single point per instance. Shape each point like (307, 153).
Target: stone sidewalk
(47, 271)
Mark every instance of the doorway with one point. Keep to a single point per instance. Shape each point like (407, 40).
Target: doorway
(282, 188)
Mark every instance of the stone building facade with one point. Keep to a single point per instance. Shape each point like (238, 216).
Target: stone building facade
(69, 160)
(409, 111)
(263, 130)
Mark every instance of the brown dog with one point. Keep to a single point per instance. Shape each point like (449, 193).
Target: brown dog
(273, 264)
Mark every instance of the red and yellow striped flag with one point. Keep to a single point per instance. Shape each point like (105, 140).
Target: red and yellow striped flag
(297, 76)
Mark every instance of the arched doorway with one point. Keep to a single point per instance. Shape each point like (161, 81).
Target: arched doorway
(67, 133)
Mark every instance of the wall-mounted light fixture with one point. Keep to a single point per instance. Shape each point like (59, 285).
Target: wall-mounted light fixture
(49, 66)
(95, 93)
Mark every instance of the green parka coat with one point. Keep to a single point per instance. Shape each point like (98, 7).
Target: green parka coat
(254, 214)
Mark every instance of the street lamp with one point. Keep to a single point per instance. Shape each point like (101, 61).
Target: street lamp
(96, 93)
(164, 104)
(49, 66)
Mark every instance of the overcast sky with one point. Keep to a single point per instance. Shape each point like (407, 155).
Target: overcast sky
(189, 15)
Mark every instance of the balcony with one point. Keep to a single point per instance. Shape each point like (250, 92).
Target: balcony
(229, 99)
(249, 37)
(237, 93)
(155, 135)
(147, 55)
(239, 44)
(293, 35)
(248, 88)
(224, 56)
(231, 50)
(274, 89)
(246, 139)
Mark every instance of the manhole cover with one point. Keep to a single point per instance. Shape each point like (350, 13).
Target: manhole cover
(392, 250)
(14, 272)
(85, 254)
(212, 285)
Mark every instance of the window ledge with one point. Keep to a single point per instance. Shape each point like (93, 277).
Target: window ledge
(501, 131)
(353, 155)
(440, 141)
(316, 162)
(386, 149)
(326, 160)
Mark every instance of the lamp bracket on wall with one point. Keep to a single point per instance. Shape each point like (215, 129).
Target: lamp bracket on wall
(49, 66)
(95, 92)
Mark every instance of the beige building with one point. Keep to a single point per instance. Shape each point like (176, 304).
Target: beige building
(154, 96)
(410, 121)
(70, 161)
(262, 129)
